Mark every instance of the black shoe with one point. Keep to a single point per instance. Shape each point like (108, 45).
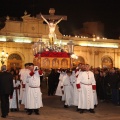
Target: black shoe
(37, 113)
(25, 109)
(95, 106)
(3, 116)
(29, 113)
(81, 111)
(12, 110)
(20, 102)
(65, 106)
(78, 109)
(16, 109)
(92, 111)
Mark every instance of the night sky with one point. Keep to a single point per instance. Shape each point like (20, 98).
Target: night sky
(77, 11)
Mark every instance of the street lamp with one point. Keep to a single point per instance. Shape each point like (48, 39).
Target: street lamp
(73, 57)
(4, 57)
(70, 45)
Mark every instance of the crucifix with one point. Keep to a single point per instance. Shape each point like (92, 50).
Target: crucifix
(52, 20)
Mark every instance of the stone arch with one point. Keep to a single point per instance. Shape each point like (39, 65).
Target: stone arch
(14, 61)
(19, 53)
(79, 60)
(14, 56)
(107, 61)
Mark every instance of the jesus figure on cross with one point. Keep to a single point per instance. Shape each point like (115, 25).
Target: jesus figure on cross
(52, 26)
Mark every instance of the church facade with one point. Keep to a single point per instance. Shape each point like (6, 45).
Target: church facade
(17, 38)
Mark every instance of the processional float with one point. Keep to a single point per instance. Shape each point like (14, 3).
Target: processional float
(50, 55)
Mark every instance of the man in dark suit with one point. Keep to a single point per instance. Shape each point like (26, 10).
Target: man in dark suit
(6, 90)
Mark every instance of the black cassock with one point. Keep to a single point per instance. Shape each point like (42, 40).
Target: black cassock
(6, 89)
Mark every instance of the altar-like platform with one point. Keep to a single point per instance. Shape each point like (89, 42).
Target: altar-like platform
(55, 60)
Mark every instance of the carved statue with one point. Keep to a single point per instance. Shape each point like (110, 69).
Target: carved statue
(52, 25)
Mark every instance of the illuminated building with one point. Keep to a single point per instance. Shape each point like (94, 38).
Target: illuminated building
(17, 37)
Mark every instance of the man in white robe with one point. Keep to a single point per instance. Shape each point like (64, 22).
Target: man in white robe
(78, 71)
(75, 94)
(59, 90)
(68, 89)
(23, 77)
(86, 86)
(34, 95)
(61, 84)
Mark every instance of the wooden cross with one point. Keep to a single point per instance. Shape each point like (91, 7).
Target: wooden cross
(52, 15)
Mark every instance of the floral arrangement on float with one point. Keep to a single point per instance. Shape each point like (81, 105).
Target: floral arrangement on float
(41, 49)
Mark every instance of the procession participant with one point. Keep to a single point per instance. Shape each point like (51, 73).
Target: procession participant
(97, 79)
(14, 99)
(6, 89)
(51, 82)
(114, 80)
(59, 90)
(68, 89)
(62, 87)
(86, 86)
(57, 74)
(97, 76)
(75, 91)
(78, 69)
(34, 95)
(23, 77)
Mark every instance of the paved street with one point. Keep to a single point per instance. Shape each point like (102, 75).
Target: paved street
(53, 110)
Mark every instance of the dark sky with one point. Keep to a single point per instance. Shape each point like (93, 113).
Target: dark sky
(77, 11)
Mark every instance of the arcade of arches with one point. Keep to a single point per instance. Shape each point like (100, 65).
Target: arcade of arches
(15, 61)
(45, 62)
(105, 62)
(24, 55)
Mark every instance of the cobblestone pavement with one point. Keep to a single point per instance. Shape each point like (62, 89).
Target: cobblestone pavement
(53, 110)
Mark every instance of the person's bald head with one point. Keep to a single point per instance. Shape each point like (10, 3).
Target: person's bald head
(4, 68)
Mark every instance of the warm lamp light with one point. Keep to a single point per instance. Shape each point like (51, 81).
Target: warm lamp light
(4, 57)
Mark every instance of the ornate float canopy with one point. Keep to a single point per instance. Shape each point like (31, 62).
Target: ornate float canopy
(53, 56)
(40, 47)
